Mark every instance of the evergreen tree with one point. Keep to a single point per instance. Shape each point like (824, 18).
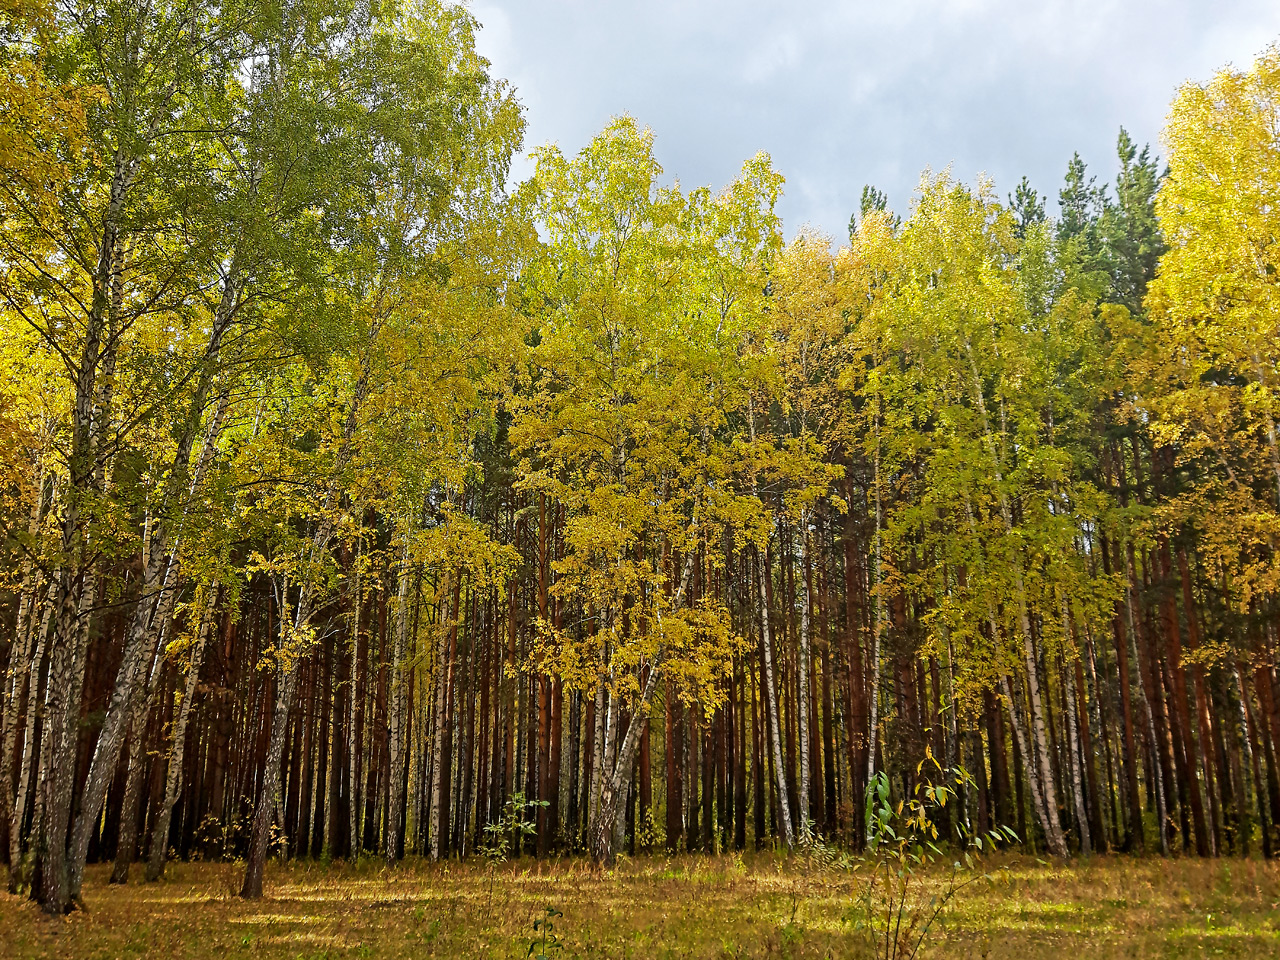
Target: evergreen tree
(1027, 207)
(1128, 228)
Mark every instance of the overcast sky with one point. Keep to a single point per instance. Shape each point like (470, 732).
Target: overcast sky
(847, 93)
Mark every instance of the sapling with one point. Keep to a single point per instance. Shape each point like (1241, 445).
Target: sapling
(899, 905)
(545, 939)
(518, 821)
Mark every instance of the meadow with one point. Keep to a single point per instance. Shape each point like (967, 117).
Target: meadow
(654, 907)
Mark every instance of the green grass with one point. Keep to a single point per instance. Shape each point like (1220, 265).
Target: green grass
(681, 907)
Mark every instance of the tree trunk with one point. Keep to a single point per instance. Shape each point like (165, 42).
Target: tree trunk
(1036, 770)
(802, 682)
(18, 811)
(611, 783)
(173, 777)
(397, 708)
(771, 699)
(160, 578)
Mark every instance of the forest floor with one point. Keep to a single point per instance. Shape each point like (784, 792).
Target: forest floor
(654, 907)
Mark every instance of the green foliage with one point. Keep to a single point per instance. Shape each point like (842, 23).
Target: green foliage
(516, 823)
(546, 941)
(1027, 208)
(903, 897)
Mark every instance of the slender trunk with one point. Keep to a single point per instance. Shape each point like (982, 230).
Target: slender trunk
(1040, 760)
(612, 783)
(1077, 761)
(1134, 836)
(1215, 753)
(18, 812)
(160, 576)
(127, 836)
(293, 640)
(127, 841)
(771, 700)
(439, 846)
(398, 707)
(17, 683)
(877, 630)
(1034, 774)
(354, 710)
(802, 682)
(177, 751)
(675, 795)
(1190, 750)
(1152, 703)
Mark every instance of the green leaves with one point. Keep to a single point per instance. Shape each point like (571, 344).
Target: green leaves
(971, 399)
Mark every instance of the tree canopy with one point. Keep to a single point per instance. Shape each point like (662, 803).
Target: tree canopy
(358, 499)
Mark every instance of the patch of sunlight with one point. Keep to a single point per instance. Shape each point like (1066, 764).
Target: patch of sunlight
(371, 895)
(1016, 907)
(1053, 907)
(1090, 927)
(1044, 923)
(825, 922)
(302, 936)
(774, 882)
(1232, 931)
(279, 918)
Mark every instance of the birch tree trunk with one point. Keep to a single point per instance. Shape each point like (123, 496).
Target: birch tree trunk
(802, 680)
(598, 735)
(770, 688)
(159, 576)
(16, 680)
(396, 709)
(873, 684)
(127, 841)
(293, 640)
(269, 798)
(1077, 764)
(127, 835)
(612, 783)
(18, 813)
(614, 766)
(1052, 824)
(1033, 774)
(353, 774)
(177, 750)
(771, 695)
(439, 785)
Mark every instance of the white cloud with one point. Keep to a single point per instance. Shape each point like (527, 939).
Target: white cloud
(847, 93)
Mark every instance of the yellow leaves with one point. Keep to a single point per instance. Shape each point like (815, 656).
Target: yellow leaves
(1210, 653)
(42, 125)
(1209, 372)
(1218, 209)
(649, 305)
(701, 645)
(292, 645)
(457, 543)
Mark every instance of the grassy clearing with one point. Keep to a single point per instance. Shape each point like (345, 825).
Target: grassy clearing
(695, 907)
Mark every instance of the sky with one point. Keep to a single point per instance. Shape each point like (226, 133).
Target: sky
(842, 94)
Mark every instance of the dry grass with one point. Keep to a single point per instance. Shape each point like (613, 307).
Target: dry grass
(653, 907)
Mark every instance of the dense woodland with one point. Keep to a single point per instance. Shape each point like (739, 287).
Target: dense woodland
(356, 499)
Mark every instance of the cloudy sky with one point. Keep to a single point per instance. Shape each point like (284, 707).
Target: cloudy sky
(865, 91)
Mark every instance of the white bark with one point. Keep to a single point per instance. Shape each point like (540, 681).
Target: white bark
(802, 684)
(1075, 754)
(177, 749)
(1040, 759)
(398, 702)
(159, 584)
